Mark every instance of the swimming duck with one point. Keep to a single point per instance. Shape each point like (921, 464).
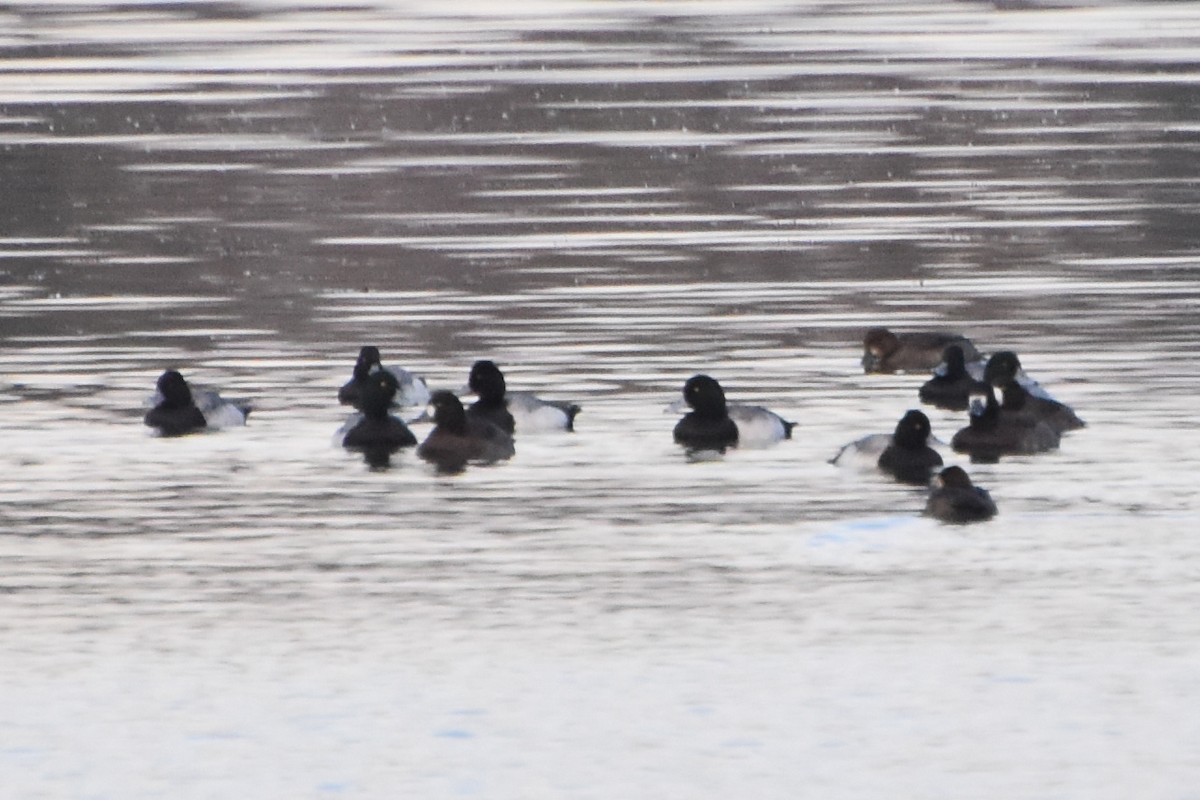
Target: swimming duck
(411, 389)
(708, 425)
(885, 351)
(993, 433)
(865, 451)
(757, 426)
(456, 441)
(955, 499)
(951, 385)
(1018, 401)
(909, 458)
(377, 429)
(179, 410)
(513, 411)
(1003, 371)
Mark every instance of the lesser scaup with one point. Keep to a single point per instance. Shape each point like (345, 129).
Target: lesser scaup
(757, 426)
(955, 499)
(515, 411)
(378, 429)
(909, 458)
(1003, 371)
(864, 452)
(951, 385)
(708, 425)
(885, 351)
(992, 433)
(179, 410)
(411, 389)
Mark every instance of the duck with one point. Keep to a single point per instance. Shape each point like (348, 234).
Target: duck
(865, 451)
(411, 389)
(952, 384)
(1003, 371)
(757, 426)
(456, 441)
(1019, 401)
(992, 433)
(376, 428)
(885, 351)
(954, 499)
(708, 425)
(909, 458)
(179, 410)
(513, 411)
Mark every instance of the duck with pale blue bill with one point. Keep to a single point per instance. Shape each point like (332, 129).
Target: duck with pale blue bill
(992, 433)
(956, 500)
(179, 408)
(515, 412)
(411, 389)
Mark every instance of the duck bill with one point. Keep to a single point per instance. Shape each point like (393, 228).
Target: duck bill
(977, 405)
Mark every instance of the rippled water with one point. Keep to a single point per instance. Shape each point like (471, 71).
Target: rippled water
(606, 198)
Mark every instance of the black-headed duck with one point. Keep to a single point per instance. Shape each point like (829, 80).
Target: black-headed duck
(993, 433)
(514, 412)
(179, 409)
(951, 385)
(378, 429)
(411, 389)
(708, 425)
(909, 458)
(1003, 371)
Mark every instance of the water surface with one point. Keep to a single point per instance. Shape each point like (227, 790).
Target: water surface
(606, 198)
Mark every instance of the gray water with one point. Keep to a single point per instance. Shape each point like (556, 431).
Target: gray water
(606, 198)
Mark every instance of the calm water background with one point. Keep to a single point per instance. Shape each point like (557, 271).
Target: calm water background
(606, 198)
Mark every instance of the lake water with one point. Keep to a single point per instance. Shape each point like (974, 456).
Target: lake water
(606, 198)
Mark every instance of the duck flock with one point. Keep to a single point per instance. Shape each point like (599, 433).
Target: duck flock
(1008, 414)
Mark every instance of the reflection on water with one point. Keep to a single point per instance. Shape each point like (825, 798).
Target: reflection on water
(606, 198)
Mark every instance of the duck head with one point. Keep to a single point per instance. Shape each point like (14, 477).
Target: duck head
(705, 396)
(912, 431)
(487, 381)
(174, 389)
